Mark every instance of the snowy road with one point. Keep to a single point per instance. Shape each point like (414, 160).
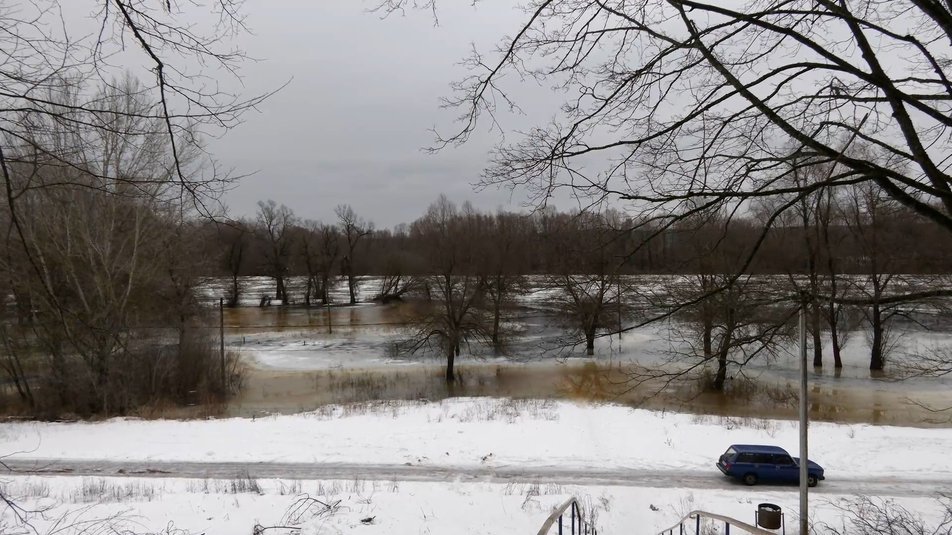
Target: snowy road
(693, 479)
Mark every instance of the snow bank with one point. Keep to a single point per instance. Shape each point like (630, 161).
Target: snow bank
(465, 431)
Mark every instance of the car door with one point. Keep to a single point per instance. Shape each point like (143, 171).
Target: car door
(760, 465)
(767, 469)
(785, 469)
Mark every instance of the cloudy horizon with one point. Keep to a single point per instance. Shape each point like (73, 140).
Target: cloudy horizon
(362, 97)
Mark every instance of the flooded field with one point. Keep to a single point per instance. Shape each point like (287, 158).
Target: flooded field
(289, 392)
(299, 358)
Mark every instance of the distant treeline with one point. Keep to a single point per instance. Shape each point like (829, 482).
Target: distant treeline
(548, 241)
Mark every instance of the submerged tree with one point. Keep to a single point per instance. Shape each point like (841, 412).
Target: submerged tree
(320, 250)
(735, 322)
(455, 317)
(275, 228)
(588, 280)
(718, 322)
(871, 217)
(236, 236)
(354, 228)
(504, 264)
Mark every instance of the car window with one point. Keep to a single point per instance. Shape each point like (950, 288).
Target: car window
(757, 458)
(780, 458)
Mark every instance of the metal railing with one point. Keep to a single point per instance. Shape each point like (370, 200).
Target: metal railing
(693, 521)
(569, 520)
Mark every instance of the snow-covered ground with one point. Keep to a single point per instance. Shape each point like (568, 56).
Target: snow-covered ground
(465, 431)
(211, 507)
(461, 434)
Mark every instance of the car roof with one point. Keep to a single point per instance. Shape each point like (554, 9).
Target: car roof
(754, 448)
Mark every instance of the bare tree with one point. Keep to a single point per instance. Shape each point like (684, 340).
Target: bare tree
(89, 247)
(870, 215)
(455, 317)
(320, 249)
(806, 223)
(868, 515)
(719, 322)
(588, 279)
(354, 228)
(55, 81)
(275, 229)
(505, 267)
(395, 257)
(736, 322)
(237, 237)
(99, 171)
(827, 214)
(671, 101)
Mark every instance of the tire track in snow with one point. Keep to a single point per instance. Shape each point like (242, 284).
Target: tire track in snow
(690, 479)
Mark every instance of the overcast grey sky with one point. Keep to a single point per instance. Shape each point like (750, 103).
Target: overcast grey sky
(363, 95)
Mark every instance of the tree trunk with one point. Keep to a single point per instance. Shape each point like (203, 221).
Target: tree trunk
(102, 381)
(837, 361)
(590, 339)
(279, 291)
(325, 281)
(817, 341)
(876, 351)
(450, 359)
(495, 338)
(832, 315)
(352, 287)
(235, 291)
(725, 347)
(721, 376)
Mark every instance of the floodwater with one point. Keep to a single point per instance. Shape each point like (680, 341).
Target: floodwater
(268, 391)
(245, 320)
(362, 373)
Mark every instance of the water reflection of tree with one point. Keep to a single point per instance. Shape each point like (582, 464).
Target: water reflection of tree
(590, 381)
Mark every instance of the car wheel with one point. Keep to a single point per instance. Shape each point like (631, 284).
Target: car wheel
(750, 479)
(812, 481)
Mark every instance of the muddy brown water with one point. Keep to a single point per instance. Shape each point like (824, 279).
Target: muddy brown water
(277, 391)
(320, 319)
(269, 391)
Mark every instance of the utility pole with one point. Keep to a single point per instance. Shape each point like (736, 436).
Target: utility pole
(804, 419)
(618, 292)
(221, 339)
(806, 298)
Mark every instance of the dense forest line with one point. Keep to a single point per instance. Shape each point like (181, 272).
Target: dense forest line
(847, 239)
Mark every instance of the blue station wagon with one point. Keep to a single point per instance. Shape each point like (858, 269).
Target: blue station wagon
(752, 464)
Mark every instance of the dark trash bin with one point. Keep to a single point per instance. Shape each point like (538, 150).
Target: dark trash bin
(769, 516)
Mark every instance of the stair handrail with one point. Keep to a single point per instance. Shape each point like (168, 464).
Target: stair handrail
(754, 530)
(559, 511)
